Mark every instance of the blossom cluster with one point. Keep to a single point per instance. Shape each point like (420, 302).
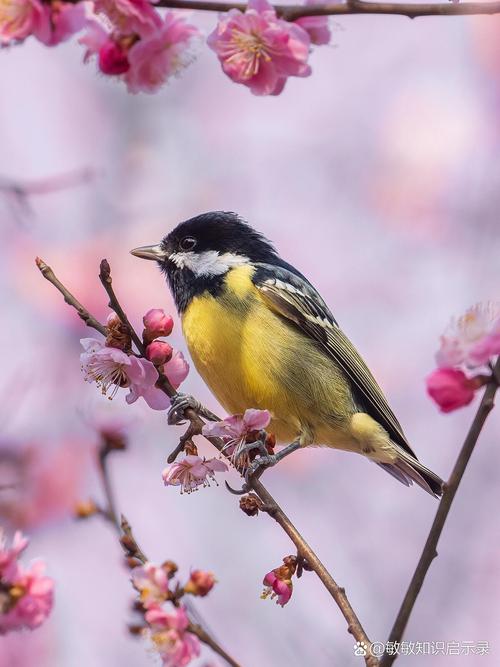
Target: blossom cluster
(26, 594)
(169, 630)
(237, 432)
(112, 365)
(468, 348)
(132, 41)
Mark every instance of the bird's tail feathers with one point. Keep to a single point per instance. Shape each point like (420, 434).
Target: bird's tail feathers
(408, 469)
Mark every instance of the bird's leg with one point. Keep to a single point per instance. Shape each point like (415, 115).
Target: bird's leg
(181, 403)
(258, 465)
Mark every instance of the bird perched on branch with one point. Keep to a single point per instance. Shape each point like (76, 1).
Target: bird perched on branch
(261, 336)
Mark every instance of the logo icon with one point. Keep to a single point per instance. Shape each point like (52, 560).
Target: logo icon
(360, 649)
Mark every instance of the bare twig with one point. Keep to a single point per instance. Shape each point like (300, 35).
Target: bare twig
(84, 314)
(293, 12)
(450, 488)
(271, 506)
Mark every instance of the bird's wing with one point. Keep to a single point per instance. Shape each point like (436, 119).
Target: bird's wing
(293, 297)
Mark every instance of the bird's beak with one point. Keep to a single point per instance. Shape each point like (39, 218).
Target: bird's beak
(150, 252)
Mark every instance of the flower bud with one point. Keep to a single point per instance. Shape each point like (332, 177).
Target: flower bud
(159, 352)
(200, 583)
(85, 508)
(450, 388)
(113, 59)
(157, 323)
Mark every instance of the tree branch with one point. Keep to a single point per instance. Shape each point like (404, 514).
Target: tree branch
(83, 313)
(293, 12)
(450, 488)
(272, 508)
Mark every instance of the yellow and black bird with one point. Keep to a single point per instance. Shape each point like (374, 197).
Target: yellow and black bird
(262, 337)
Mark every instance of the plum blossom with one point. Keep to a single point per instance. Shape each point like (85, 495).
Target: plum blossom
(278, 582)
(26, 595)
(160, 55)
(473, 339)
(168, 633)
(152, 583)
(110, 367)
(157, 323)
(450, 388)
(200, 583)
(317, 27)
(50, 23)
(9, 556)
(260, 50)
(32, 598)
(21, 18)
(144, 60)
(130, 17)
(235, 429)
(191, 472)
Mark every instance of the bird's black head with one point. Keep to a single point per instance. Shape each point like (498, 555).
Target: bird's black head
(197, 254)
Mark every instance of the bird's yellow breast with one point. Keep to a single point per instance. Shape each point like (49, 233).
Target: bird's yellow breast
(252, 358)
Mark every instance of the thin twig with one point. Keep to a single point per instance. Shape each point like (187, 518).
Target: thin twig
(338, 593)
(294, 12)
(450, 488)
(84, 314)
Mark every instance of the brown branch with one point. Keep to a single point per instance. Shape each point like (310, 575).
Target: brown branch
(272, 508)
(450, 488)
(293, 12)
(83, 313)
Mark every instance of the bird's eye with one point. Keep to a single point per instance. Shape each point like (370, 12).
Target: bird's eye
(187, 243)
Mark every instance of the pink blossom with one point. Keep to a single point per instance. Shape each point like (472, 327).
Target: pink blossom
(192, 472)
(472, 339)
(176, 646)
(277, 587)
(21, 18)
(66, 19)
(157, 323)
(200, 583)
(235, 429)
(450, 388)
(176, 369)
(33, 601)
(260, 50)
(152, 583)
(160, 55)
(159, 352)
(130, 17)
(9, 556)
(110, 367)
(317, 27)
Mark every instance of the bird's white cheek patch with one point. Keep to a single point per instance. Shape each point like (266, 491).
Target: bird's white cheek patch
(208, 263)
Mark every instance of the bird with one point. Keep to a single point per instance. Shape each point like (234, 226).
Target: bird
(261, 336)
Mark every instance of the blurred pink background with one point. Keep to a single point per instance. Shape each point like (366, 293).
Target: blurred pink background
(378, 177)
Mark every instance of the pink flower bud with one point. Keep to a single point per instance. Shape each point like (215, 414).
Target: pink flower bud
(157, 323)
(200, 583)
(450, 388)
(159, 352)
(113, 59)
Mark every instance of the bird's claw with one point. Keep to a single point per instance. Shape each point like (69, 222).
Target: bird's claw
(181, 403)
(258, 465)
